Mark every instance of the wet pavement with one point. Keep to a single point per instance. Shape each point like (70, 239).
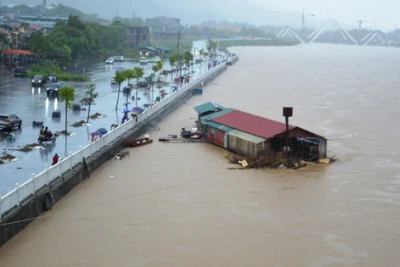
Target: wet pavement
(31, 104)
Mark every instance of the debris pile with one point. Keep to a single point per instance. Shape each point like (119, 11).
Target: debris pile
(275, 161)
(28, 148)
(79, 123)
(122, 155)
(96, 115)
(63, 132)
(6, 158)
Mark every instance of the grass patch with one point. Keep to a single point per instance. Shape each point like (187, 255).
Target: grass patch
(185, 44)
(47, 67)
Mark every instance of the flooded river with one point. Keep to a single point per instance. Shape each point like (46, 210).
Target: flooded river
(179, 204)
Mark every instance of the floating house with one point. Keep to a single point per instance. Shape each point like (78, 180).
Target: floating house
(252, 135)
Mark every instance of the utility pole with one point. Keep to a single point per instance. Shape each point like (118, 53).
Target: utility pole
(287, 112)
(177, 50)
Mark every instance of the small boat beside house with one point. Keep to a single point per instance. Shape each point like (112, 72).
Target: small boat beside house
(141, 141)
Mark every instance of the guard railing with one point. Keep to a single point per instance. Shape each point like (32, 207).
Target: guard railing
(44, 178)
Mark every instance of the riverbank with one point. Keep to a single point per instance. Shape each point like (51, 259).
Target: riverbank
(257, 42)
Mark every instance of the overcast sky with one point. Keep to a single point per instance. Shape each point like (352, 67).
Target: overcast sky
(385, 12)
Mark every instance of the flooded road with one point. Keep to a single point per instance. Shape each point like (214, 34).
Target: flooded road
(31, 104)
(180, 205)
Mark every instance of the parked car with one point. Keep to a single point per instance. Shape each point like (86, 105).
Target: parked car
(9, 122)
(53, 88)
(142, 84)
(19, 72)
(143, 61)
(110, 61)
(119, 58)
(38, 80)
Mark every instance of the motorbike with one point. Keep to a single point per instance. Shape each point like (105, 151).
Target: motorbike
(42, 139)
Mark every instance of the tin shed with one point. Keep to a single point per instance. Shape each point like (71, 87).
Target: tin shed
(246, 144)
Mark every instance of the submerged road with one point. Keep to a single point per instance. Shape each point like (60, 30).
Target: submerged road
(31, 104)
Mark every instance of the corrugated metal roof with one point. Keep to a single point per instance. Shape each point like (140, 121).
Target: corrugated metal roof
(252, 124)
(211, 116)
(218, 126)
(248, 137)
(207, 107)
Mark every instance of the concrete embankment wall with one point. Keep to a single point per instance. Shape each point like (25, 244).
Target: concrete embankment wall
(19, 217)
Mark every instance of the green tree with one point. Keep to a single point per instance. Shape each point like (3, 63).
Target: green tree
(91, 95)
(172, 61)
(120, 77)
(154, 69)
(187, 57)
(138, 73)
(38, 43)
(67, 94)
(159, 65)
(129, 74)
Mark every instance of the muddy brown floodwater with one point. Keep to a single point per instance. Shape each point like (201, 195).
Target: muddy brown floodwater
(178, 205)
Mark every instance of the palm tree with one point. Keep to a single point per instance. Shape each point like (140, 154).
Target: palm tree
(120, 77)
(172, 61)
(153, 75)
(138, 73)
(67, 94)
(129, 74)
(159, 65)
(187, 56)
(91, 95)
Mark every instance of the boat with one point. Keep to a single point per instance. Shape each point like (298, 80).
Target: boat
(141, 141)
(168, 138)
(193, 134)
(196, 136)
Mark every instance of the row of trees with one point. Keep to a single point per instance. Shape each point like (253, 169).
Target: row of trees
(178, 60)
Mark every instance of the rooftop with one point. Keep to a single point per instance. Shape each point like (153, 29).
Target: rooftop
(252, 124)
(247, 137)
(208, 106)
(209, 117)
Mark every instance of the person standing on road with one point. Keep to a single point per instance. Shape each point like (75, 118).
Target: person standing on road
(55, 159)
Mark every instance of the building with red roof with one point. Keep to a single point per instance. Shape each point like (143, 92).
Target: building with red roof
(253, 135)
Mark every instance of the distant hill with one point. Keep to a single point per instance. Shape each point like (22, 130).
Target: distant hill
(190, 12)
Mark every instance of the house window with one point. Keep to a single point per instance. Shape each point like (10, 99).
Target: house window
(213, 130)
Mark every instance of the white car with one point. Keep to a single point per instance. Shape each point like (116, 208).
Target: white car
(143, 61)
(119, 58)
(110, 61)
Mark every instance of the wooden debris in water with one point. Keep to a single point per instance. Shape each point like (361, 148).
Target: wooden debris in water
(96, 115)
(79, 123)
(27, 148)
